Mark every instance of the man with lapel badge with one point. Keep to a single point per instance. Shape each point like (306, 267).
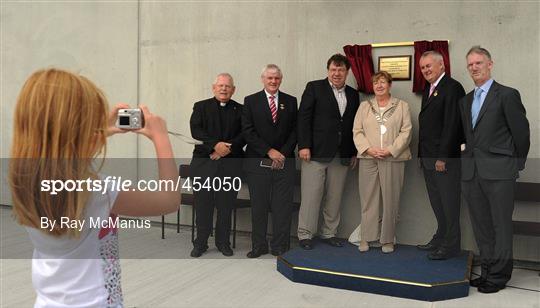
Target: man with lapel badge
(497, 143)
(217, 123)
(327, 150)
(440, 137)
(269, 128)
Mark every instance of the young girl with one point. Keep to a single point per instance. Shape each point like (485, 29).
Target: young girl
(61, 125)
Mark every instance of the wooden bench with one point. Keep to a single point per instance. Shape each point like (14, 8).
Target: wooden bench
(527, 192)
(188, 199)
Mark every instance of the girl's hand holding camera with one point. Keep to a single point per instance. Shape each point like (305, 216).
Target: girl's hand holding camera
(153, 125)
(135, 203)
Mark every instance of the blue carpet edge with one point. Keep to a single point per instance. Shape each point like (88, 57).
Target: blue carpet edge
(417, 291)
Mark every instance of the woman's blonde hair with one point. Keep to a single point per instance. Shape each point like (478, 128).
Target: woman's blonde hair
(60, 126)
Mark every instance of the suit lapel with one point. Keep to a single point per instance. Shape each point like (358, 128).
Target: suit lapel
(333, 100)
(491, 95)
(467, 110)
(429, 99)
(425, 97)
(282, 107)
(349, 94)
(265, 106)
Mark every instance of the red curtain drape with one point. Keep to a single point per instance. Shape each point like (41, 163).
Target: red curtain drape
(361, 66)
(419, 48)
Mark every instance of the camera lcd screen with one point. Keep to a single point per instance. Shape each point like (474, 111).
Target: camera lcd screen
(124, 120)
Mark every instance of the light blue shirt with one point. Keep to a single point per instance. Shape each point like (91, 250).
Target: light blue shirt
(485, 88)
(477, 106)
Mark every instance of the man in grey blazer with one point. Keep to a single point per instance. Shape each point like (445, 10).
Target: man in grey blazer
(497, 142)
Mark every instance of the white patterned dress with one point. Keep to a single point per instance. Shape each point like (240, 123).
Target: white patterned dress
(82, 272)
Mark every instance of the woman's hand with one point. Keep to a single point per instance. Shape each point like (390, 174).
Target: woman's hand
(378, 153)
(384, 153)
(373, 152)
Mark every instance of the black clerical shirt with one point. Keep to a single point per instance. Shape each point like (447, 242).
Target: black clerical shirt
(226, 117)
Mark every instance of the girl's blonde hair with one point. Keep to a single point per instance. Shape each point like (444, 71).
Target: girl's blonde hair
(60, 126)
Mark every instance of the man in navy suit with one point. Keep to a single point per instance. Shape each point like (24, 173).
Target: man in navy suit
(497, 143)
(326, 148)
(269, 128)
(216, 122)
(440, 136)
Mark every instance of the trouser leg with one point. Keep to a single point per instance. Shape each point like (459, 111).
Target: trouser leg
(450, 192)
(481, 221)
(336, 174)
(204, 209)
(313, 178)
(370, 193)
(500, 195)
(391, 175)
(260, 192)
(430, 177)
(281, 206)
(224, 204)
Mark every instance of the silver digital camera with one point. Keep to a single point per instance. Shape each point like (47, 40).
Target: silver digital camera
(130, 119)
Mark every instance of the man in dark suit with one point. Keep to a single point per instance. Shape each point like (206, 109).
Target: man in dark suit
(217, 123)
(439, 149)
(326, 148)
(497, 143)
(269, 128)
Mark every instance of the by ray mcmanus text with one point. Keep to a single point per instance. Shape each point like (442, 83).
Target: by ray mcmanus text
(94, 222)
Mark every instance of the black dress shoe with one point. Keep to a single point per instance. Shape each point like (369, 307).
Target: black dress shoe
(257, 252)
(197, 251)
(306, 244)
(442, 254)
(477, 282)
(333, 241)
(489, 287)
(428, 247)
(225, 250)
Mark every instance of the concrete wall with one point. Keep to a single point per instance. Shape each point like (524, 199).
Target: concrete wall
(182, 46)
(97, 40)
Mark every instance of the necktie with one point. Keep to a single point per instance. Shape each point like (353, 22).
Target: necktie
(431, 88)
(476, 105)
(273, 108)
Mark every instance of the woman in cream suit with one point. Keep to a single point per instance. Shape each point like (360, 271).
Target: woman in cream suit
(382, 133)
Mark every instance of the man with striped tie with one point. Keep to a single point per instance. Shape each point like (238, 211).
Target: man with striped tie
(269, 128)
